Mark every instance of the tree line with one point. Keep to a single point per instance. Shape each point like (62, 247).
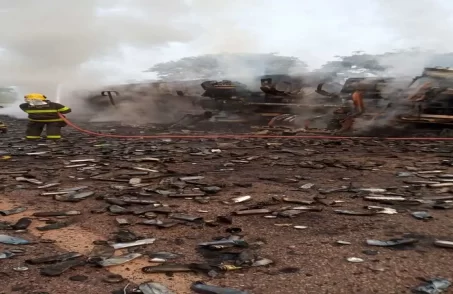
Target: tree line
(228, 65)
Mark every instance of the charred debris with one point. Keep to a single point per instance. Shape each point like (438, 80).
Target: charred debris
(301, 101)
(227, 100)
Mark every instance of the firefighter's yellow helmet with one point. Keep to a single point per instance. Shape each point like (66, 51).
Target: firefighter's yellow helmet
(35, 96)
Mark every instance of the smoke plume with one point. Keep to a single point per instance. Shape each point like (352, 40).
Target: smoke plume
(425, 25)
(85, 44)
(81, 44)
(53, 42)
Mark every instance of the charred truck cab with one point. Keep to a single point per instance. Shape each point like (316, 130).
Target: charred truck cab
(426, 99)
(224, 90)
(224, 95)
(431, 97)
(376, 95)
(281, 88)
(371, 91)
(372, 87)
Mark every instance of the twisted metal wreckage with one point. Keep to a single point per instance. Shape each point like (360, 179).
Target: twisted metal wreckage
(289, 101)
(302, 101)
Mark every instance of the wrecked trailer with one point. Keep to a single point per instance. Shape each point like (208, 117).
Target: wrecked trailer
(160, 102)
(159, 92)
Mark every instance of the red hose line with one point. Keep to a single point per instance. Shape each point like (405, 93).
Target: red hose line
(244, 136)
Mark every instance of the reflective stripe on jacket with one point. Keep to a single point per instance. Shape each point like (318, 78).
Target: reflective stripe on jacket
(45, 113)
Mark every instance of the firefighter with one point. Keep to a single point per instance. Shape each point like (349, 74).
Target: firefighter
(3, 128)
(43, 113)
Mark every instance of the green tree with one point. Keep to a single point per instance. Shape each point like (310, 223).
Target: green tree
(356, 60)
(380, 63)
(227, 66)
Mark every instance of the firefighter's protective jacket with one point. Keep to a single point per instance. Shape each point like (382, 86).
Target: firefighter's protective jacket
(45, 113)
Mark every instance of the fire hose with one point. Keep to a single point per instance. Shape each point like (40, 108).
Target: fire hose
(247, 136)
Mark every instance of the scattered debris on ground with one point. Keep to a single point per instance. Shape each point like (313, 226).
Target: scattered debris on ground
(99, 215)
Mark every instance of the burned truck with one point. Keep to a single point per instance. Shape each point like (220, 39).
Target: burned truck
(429, 98)
(426, 99)
(225, 95)
(279, 94)
(373, 89)
(375, 92)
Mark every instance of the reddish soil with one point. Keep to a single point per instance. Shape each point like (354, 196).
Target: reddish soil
(263, 169)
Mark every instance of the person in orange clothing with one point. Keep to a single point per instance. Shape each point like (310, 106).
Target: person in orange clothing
(359, 108)
(357, 99)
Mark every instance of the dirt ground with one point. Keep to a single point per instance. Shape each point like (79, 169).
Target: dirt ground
(324, 179)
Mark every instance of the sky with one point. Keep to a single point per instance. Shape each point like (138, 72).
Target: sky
(314, 31)
(89, 41)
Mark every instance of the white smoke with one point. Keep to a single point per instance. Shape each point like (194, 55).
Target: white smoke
(52, 42)
(84, 44)
(425, 25)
